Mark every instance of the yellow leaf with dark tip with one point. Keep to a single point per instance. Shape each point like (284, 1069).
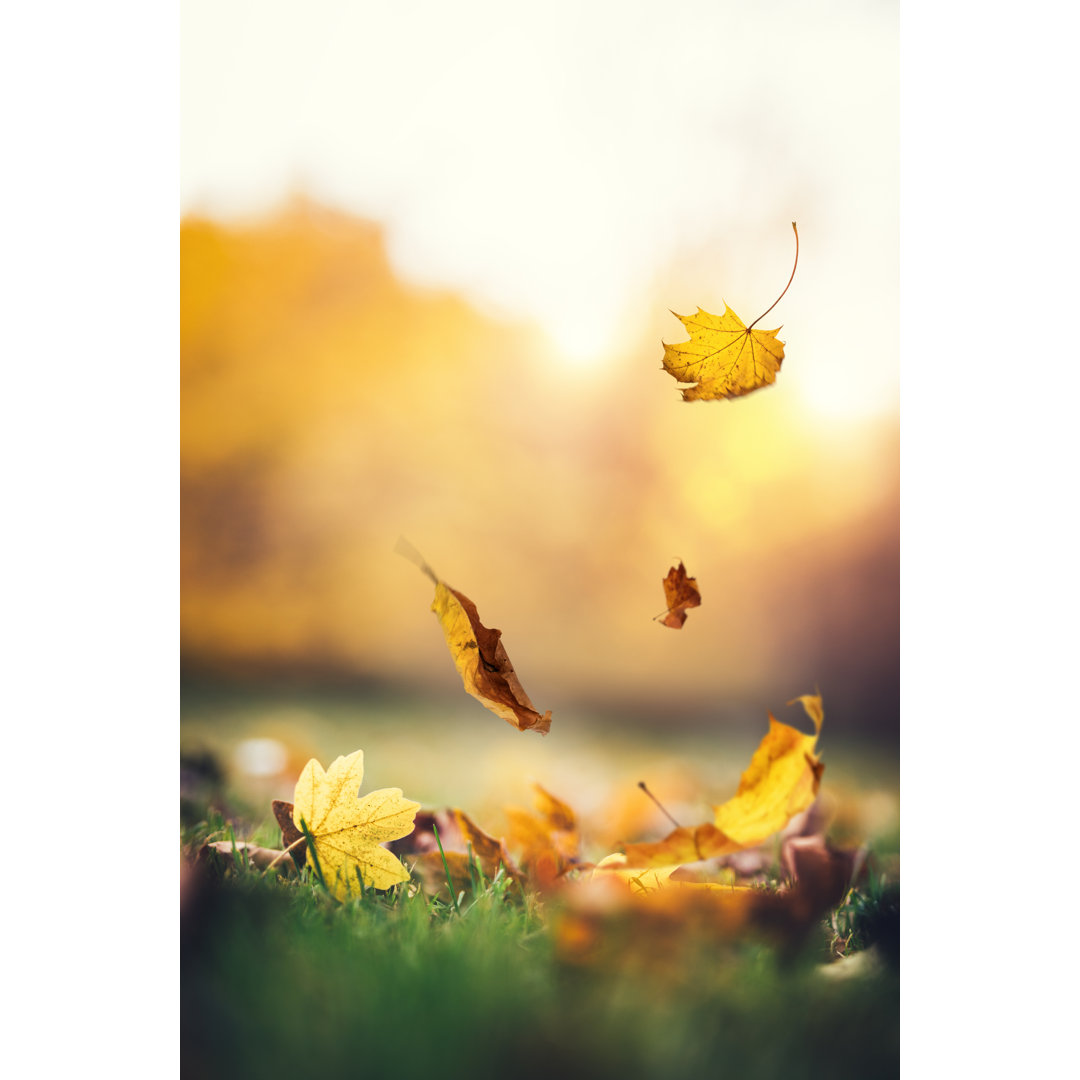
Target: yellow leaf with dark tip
(347, 830)
(781, 781)
(482, 663)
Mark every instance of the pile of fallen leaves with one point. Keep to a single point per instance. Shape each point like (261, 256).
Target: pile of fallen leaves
(690, 879)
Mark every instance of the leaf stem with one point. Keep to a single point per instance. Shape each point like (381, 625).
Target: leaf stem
(407, 551)
(786, 287)
(641, 784)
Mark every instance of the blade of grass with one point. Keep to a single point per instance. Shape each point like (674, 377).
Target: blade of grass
(313, 853)
(446, 867)
(472, 873)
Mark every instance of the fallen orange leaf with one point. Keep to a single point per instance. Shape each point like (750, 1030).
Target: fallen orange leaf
(465, 846)
(548, 841)
(625, 918)
(431, 866)
(489, 851)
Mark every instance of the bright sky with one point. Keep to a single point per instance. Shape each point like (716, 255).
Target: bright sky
(586, 165)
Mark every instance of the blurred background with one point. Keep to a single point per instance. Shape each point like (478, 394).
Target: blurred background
(429, 254)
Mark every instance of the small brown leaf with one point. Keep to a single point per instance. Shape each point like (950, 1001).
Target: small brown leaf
(457, 833)
(261, 857)
(680, 592)
(820, 871)
(422, 839)
(290, 834)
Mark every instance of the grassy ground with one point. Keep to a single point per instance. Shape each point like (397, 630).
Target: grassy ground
(278, 979)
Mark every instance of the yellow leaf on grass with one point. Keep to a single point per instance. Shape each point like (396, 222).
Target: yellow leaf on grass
(348, 830)
(724, 357)
(781, 781)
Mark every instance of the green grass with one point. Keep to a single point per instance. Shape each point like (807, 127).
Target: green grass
(278, 979)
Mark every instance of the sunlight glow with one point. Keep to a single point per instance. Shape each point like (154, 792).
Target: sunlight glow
(835, 396)
(582, 340)
(536, 163)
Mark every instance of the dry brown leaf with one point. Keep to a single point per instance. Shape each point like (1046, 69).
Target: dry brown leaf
(551, 831)
(291, 837)
(422, 839)
(461, 838)
(261, 857)
(680, 592)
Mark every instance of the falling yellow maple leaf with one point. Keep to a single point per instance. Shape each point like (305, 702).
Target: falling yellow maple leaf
(781, 781)
(724, 357)
(346, 831)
